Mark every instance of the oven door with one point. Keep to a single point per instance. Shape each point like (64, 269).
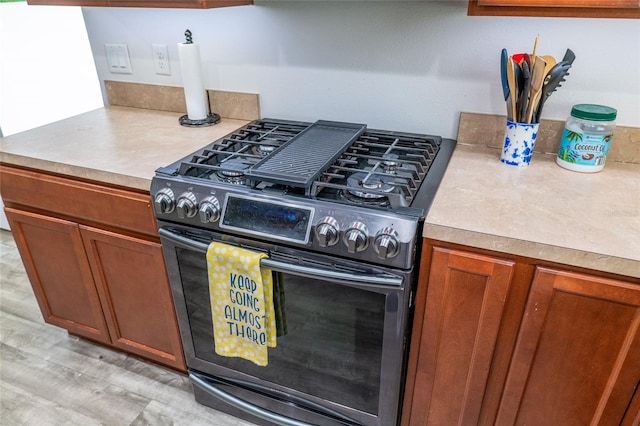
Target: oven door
(341, 361)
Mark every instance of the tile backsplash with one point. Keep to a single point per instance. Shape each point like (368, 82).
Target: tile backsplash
(241, 106)
(488, 130)
(473, 128)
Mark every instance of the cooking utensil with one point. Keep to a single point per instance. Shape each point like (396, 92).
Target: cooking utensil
(522, 99)
(551, 61)
(517, 67)
(533, 54)
(519, 57)
(519, 81)
(551, 83)
(504, 58)
(569, 57)
(537, 79)
(506, 90)
(513, 89)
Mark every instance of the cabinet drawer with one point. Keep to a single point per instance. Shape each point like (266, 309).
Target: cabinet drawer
(84, 201)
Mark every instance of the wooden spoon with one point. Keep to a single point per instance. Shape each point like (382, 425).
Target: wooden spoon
(533, 54)
(537, 78)
(513, 89)
(550, 61)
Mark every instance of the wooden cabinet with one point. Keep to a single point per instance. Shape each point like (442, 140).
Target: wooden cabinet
(192, 4)
(465, 304)
(503, 340)
(134, 292)
(577, 358)
(69, 2)
(558, 8)
(54, 258)
(94, 261)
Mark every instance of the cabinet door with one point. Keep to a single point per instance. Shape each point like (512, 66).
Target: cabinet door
(577, 357)
(55, 261)
(89, 203)
(560, 8)
(70, 2)
(464, 307)
(632, 417)
(132, 282)
(192, 4)
(562, 3)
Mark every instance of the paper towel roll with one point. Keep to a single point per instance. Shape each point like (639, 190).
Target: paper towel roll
(194, 92)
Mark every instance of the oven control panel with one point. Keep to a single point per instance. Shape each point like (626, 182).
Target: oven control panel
(349, 231)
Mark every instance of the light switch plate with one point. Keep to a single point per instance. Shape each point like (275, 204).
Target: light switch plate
(118, 58)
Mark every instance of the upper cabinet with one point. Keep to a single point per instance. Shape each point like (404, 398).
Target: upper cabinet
(557, 8)
(69, 2)
(192, 4)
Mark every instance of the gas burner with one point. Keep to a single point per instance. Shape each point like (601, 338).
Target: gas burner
(362, 184)
(390, 163)
(233, 171)
(357, 200)
(232, 177)
(262, 150)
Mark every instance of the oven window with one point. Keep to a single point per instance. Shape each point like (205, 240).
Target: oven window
(333, 345)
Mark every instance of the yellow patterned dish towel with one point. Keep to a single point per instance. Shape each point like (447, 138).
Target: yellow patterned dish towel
(241, 303)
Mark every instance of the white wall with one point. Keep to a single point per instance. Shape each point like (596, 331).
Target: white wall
(46, 68)
(410, 66)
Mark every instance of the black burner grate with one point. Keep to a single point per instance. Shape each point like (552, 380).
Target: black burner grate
(400, 160)
(242, 149)
(327, 160)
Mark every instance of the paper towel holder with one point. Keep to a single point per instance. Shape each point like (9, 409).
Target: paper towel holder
(211, 118)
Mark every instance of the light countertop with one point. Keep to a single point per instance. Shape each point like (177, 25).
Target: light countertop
(116, 145)
(543, 211)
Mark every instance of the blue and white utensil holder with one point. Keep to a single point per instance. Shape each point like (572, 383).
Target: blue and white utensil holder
(519, 140)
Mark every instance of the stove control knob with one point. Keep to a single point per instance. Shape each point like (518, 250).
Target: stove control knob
(164, 201)
(187, 205)
(327, 232)
(356, 237)
(209, 210)
(386, 243)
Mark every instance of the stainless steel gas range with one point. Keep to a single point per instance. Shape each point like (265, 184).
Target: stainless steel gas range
(338, 210)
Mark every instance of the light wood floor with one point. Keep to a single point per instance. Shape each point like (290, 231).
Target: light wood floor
(48, 377)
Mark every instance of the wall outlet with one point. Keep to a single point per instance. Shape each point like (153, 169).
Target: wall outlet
(118, 58)
(161, 59)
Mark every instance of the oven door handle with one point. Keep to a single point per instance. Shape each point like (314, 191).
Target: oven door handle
(305, 271)
(331, 275)
(243, 405)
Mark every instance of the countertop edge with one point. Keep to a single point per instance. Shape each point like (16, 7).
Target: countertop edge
(546, 252)
(75, 171)
(114, 145)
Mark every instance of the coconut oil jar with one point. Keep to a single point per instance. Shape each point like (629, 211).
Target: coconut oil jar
(586, 138)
